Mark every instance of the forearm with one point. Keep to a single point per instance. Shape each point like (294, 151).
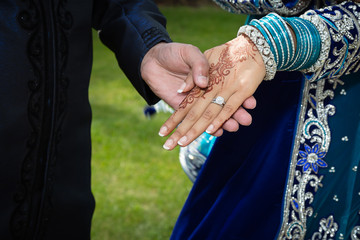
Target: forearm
(326, 42)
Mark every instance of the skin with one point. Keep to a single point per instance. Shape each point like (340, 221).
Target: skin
(172, 69)
(236, 70)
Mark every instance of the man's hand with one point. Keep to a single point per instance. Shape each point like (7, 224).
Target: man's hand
(166, 68)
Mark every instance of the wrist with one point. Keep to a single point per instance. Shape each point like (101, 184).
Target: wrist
(267, 56)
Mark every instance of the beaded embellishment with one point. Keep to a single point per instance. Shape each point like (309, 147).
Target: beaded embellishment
(268, 57)
(338, 27)
(341, 24)
(262, 6)
(311, 145)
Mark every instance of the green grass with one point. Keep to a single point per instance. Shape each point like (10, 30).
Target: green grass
(139, 187)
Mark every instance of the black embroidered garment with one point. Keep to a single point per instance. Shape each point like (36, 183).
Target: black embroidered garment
(45, 64)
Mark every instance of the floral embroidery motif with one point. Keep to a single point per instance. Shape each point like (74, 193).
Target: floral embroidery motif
(313, 132)
(311, 157)
(339, 30)
(303, 182)
(312, 143)
(355, 233)
(328, 228)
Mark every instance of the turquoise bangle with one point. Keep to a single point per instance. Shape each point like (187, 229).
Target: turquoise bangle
(315, 42)
(307, 39)
(287, 38)
(301, 46)
(287, 56)
(257, 24)
(277, 39)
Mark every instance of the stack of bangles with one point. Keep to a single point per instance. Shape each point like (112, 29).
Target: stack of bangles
(273, 37)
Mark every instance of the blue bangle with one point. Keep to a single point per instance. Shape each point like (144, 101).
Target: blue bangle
(282, 38)
(277, 39)
(297, 57)
(308, 43)
(277, 33)
(286, 37)
(257, 24)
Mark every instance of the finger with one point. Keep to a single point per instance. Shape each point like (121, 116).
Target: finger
(231, 125)
(184, 107)
(195, 129)
(187, 85)
(218, 133)
(198, 63)
(227, 111)
(195, 122)
(190, 83)
(242, 117)
(250, 103)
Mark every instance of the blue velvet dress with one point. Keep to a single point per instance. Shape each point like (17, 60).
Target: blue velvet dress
(292, 174)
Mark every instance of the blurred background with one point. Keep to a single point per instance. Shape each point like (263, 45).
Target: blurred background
(139, 187)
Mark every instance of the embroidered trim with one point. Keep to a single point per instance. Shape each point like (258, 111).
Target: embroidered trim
(355, 233)
(31, 19)
(313, 132)
(341, 23)
(311, 145)
(261, 44)
(262, 6)
(325, 41)
(327, 228)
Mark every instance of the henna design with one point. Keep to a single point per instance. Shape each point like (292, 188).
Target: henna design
(237, 50)
(195, 93)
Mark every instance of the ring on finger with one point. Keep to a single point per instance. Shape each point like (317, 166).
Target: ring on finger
(219, 101)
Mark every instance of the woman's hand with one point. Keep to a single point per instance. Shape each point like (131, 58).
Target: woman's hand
(236, 70)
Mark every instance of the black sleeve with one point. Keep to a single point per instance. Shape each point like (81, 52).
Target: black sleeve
(130, 28)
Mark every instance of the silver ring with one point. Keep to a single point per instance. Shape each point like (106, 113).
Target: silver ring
(219, 101)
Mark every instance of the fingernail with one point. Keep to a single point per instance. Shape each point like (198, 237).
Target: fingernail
(182, 141)
(181, 89)
(203, 80)
(210, 129)
(168, 144)
(162, 131)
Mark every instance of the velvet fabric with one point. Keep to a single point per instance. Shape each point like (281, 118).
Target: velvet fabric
(293, 174)
(238, 193)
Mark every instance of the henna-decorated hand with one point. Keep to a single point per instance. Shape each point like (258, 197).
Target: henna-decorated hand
(172, 69)
(236, 70)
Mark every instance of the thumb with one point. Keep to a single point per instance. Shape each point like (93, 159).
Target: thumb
(190, 83)
(198, 63)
